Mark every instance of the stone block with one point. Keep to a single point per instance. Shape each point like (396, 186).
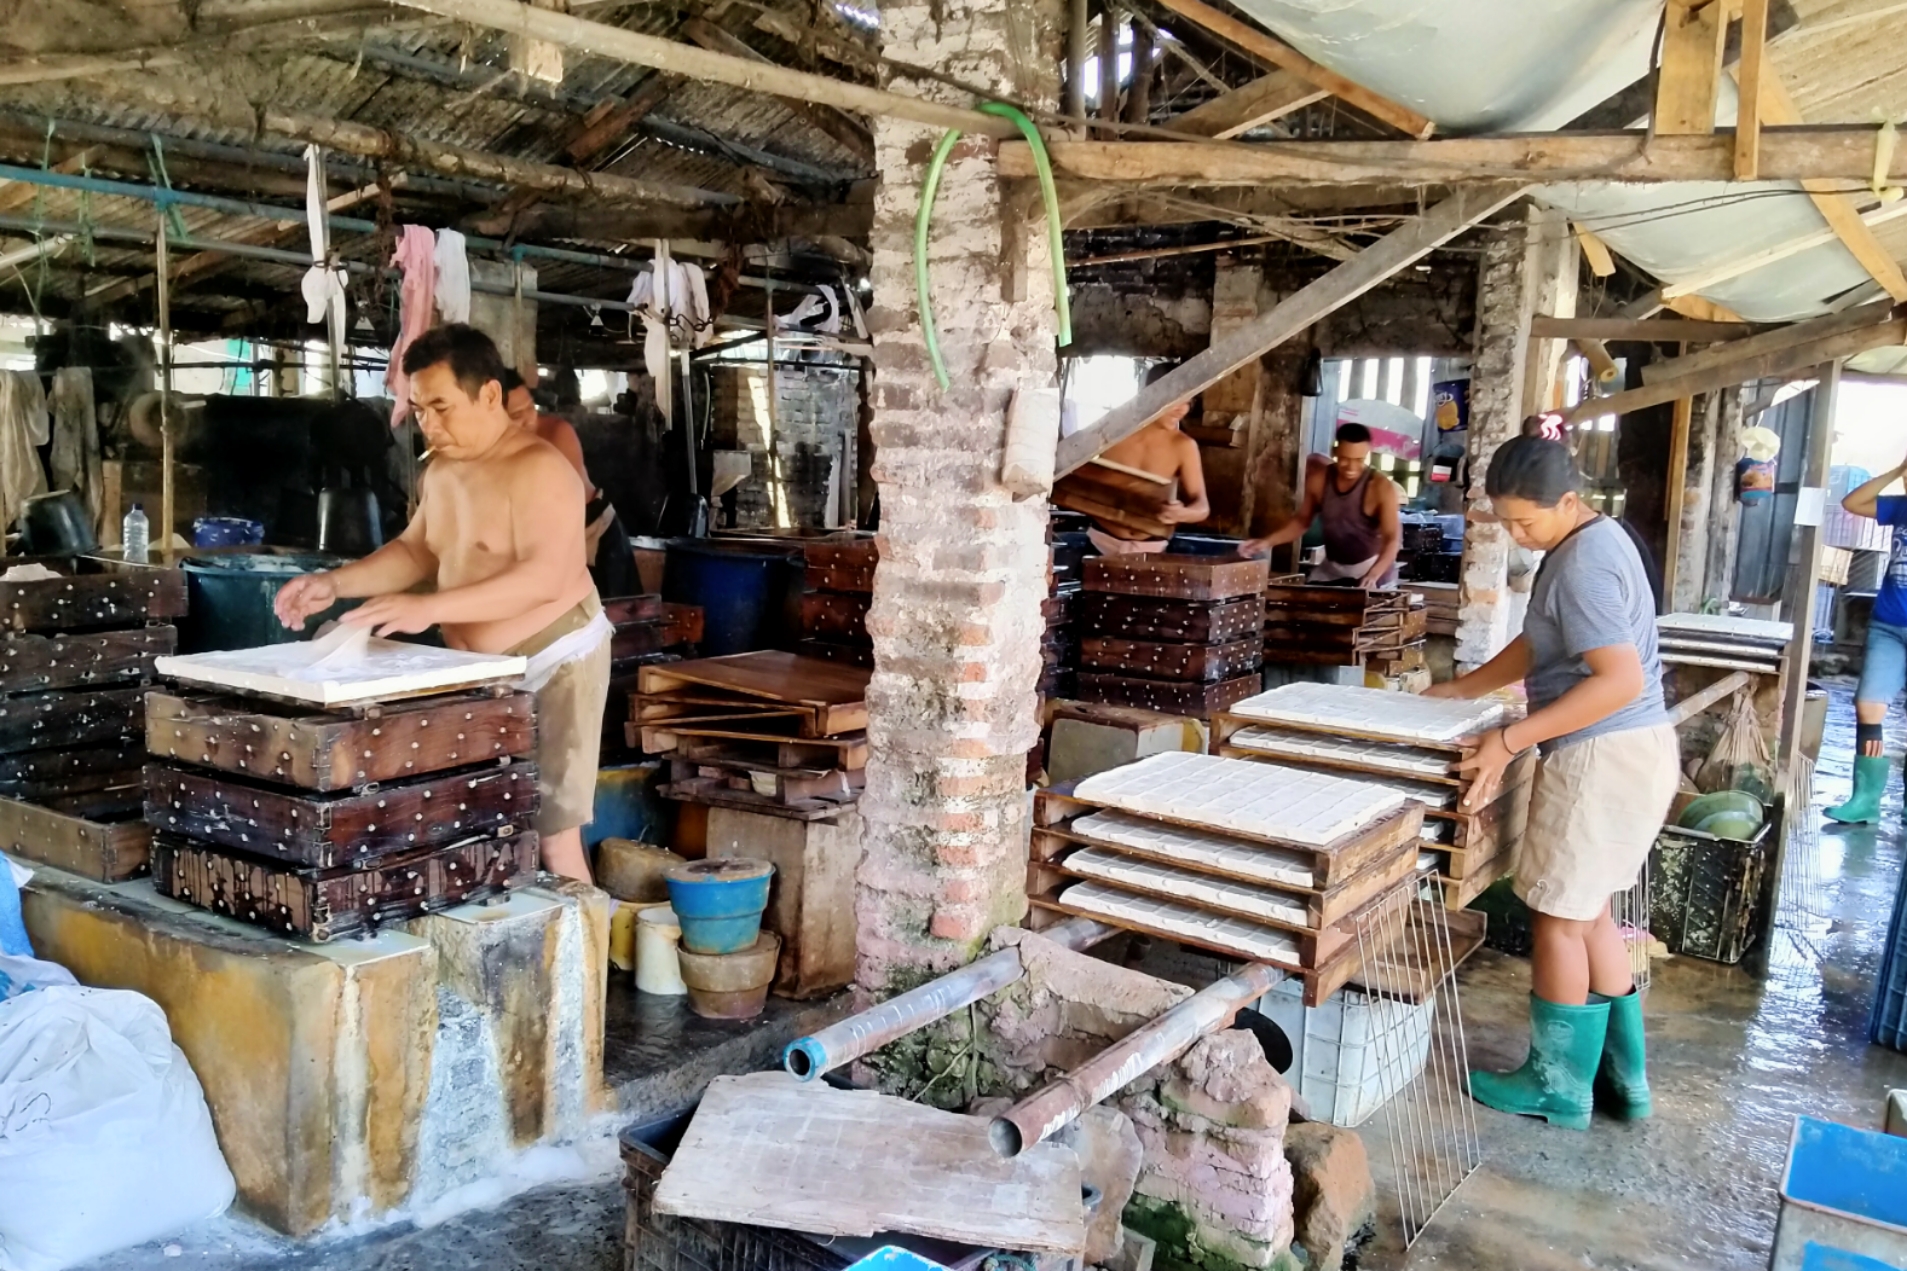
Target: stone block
(632, 871)
(1332, 1191)
(1088, 739)
(315, 1059)
(811, 900)
(1110, 1156)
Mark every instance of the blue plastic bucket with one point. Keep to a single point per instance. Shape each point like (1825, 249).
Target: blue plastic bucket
(719, 902)
(743, 590)
(226, 531)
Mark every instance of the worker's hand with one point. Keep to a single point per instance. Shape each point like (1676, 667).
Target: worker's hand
(1450, 690)
(1254, 547)
(302, 597)
(1174, 513)
(1485, 766)
(1372, 577)
(400, 614)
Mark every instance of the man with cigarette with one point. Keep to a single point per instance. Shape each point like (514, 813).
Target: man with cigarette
(498, 541)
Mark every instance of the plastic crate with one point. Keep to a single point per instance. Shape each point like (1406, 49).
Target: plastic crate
(1843, 1201)
(1889, 1025)
(1706, 891)
(1351, 1054)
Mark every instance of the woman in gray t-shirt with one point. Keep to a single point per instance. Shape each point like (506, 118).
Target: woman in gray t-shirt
(1587, 658)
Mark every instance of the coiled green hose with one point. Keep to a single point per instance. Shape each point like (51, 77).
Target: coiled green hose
(1049, 193)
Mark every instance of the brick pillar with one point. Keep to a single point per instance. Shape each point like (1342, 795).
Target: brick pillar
(1529, 267)
(956, 616)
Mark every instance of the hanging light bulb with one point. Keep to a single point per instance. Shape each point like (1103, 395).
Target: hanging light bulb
(596, 317)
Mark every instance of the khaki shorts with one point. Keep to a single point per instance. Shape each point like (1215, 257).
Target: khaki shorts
(569, 724)
(1594, 813)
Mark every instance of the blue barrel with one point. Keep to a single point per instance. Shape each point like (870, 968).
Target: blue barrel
(744, 590)
(229, 600)
(226, 531)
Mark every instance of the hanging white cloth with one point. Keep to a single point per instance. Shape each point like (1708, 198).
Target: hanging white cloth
(453, 277)
(673, 295)
(29, 399)
(323, 288)
(810, 306)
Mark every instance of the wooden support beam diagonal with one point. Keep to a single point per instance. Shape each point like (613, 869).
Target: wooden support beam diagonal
(1256, 104)
(1368, 269)
(1788, 337)
(1651, 330)
(1261, 44)
(844, 129)
(1751, 76)
(1690, 74)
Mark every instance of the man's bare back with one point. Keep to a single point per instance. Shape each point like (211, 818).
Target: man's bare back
(1161, 449)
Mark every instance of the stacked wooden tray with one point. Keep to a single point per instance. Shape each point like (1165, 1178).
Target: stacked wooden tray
(77, 648)
(1724, 642)
(323, 823)
(648, 629)
(1170, 633)
(767, 732)
(1440, 606)
(1338, 626)
(838, 589)
(1264, 864)
(1059, 645)
(1411, 745)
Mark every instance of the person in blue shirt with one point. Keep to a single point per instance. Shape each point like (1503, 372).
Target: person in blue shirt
(1884, 664)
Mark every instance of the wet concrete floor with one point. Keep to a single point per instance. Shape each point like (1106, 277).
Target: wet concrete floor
(1735, 1056)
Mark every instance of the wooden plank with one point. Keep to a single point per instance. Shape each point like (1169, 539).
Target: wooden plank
(719, 794)
(1260, 43)
(1775, 341)
(106, 853)
(1680, 419)
(1690, 71)
(40, 775)
(1173, 577)
(30, 662)
(1740, 371)
(1602, 262)
(1695, 703)
(835, 694)
(1656, 330)
(848, 751)
(68, 717)
(318, 832)
(1266, 98)
(90, 594)
(1343, 284)
(1752, 76)
(759, 1145)
(287, 746)
(1842, 153)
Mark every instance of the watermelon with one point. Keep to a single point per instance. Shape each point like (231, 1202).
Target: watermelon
(1736, 801)
(1730, 825)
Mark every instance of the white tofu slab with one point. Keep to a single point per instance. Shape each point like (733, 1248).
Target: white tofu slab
(1199, 848)
(1284, 743)
(1403, 717)
(348, 666)
(1246, 939)
(1294, 805)
(1179, 884)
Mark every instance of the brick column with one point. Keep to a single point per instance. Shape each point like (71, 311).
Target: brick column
(956, 616)
(1529, 267)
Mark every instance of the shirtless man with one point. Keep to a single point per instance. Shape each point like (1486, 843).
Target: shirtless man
(498, 537)
(612, 563)
(1360, 507)
(1161, 449)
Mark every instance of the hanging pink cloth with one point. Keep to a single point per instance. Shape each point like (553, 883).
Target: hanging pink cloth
(416, 256)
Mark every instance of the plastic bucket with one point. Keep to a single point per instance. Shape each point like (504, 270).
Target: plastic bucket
(719, 902)
(658, 940)
(744, 592)
(230, 599)
(226, 531)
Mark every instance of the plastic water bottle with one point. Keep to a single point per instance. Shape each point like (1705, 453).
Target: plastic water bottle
(133, 533)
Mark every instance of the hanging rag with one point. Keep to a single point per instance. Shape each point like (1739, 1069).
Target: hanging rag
(453, 277)
(21, 476)
(75, 457)
(416, 257)
(323, 288)
(810, 306)
(25, 387)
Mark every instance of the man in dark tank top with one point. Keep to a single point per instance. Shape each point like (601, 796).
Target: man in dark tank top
(1358, 507)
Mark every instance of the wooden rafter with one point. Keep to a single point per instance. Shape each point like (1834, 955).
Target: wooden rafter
(1261, 44)
(1752, 76)
(1258, 103)
(1775, 341)
(1649, 330)
(1602, 262)
(1690, 75)
(845, 130)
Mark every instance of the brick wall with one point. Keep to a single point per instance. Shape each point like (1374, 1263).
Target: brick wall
(956, 620)
(801, 464)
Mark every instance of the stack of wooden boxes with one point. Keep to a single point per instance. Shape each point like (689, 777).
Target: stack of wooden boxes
(1342, 626)
(81, 638)
(648, 629)
(1177, 634)
(320, 820)
(1405, 743)
(1441, 604)
(838, 588)
(1287, 867)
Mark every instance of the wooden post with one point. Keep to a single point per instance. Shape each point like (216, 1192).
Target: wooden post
(1109, 68)
(163, 265)
(1804, 566)
(1749, 77)
(1139, 95)
(1078, 49)
(1677, 483)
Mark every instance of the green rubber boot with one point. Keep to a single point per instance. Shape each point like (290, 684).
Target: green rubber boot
(1864, 805)
(1622, 1080)
(1557, 1081)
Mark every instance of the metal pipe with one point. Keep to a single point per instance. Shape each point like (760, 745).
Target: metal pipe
(807, 1058)
(1051, 1108)
(1078, 49)
(34, 251)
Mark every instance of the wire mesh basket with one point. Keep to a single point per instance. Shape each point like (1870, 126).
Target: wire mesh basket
(1630, 909)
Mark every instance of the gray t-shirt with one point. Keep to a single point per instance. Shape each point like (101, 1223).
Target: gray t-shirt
(1591, 593)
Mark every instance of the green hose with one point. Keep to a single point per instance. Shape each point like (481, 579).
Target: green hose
(923, 218)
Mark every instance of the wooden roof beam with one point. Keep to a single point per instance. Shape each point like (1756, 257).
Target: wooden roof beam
(1648, 330)
(1369, 268)
(1775, 341)
(1690, 74)
(1841, 155)
(1259, 43)
(846, 131)
(1256, 104)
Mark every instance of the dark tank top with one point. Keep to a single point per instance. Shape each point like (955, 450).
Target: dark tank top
(1351, 536)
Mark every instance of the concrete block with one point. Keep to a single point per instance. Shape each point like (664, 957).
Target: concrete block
(1088, 739)
(632, 871)
(811, 901)
(315, 1059)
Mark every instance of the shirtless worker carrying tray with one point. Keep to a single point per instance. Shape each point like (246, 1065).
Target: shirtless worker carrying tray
(499, 537)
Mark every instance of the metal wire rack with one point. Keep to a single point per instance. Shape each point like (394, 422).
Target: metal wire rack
(1630, 909)
(1410, 957)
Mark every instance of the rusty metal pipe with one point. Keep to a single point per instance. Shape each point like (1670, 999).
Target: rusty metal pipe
(807, 1058)
(1055, 1105)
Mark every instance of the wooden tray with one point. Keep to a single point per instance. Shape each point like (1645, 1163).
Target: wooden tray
(849, 751)
(1192, 621)
(787, 786)
(1177, 577)
(1411, 968)
(623, 610)
(681, 624)
(1199, 662)
(69, 717)
(1459, 892)
(719, 794)
(40, 775)
(91, 593)
(106, 852)
(33, 663)
(833, 695)
(1200, 701)
(291, 746)
(1113, 499)
(312, 831)
(322, 905)
(835, 615)
(859, 551)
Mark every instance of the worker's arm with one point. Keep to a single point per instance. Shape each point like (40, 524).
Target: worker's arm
(1615, 679)
(1390, 526)
(1501, 671)
(1192, 505)
(1293, 529)
(397, 566)
(546, 534)
(1864, 500)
